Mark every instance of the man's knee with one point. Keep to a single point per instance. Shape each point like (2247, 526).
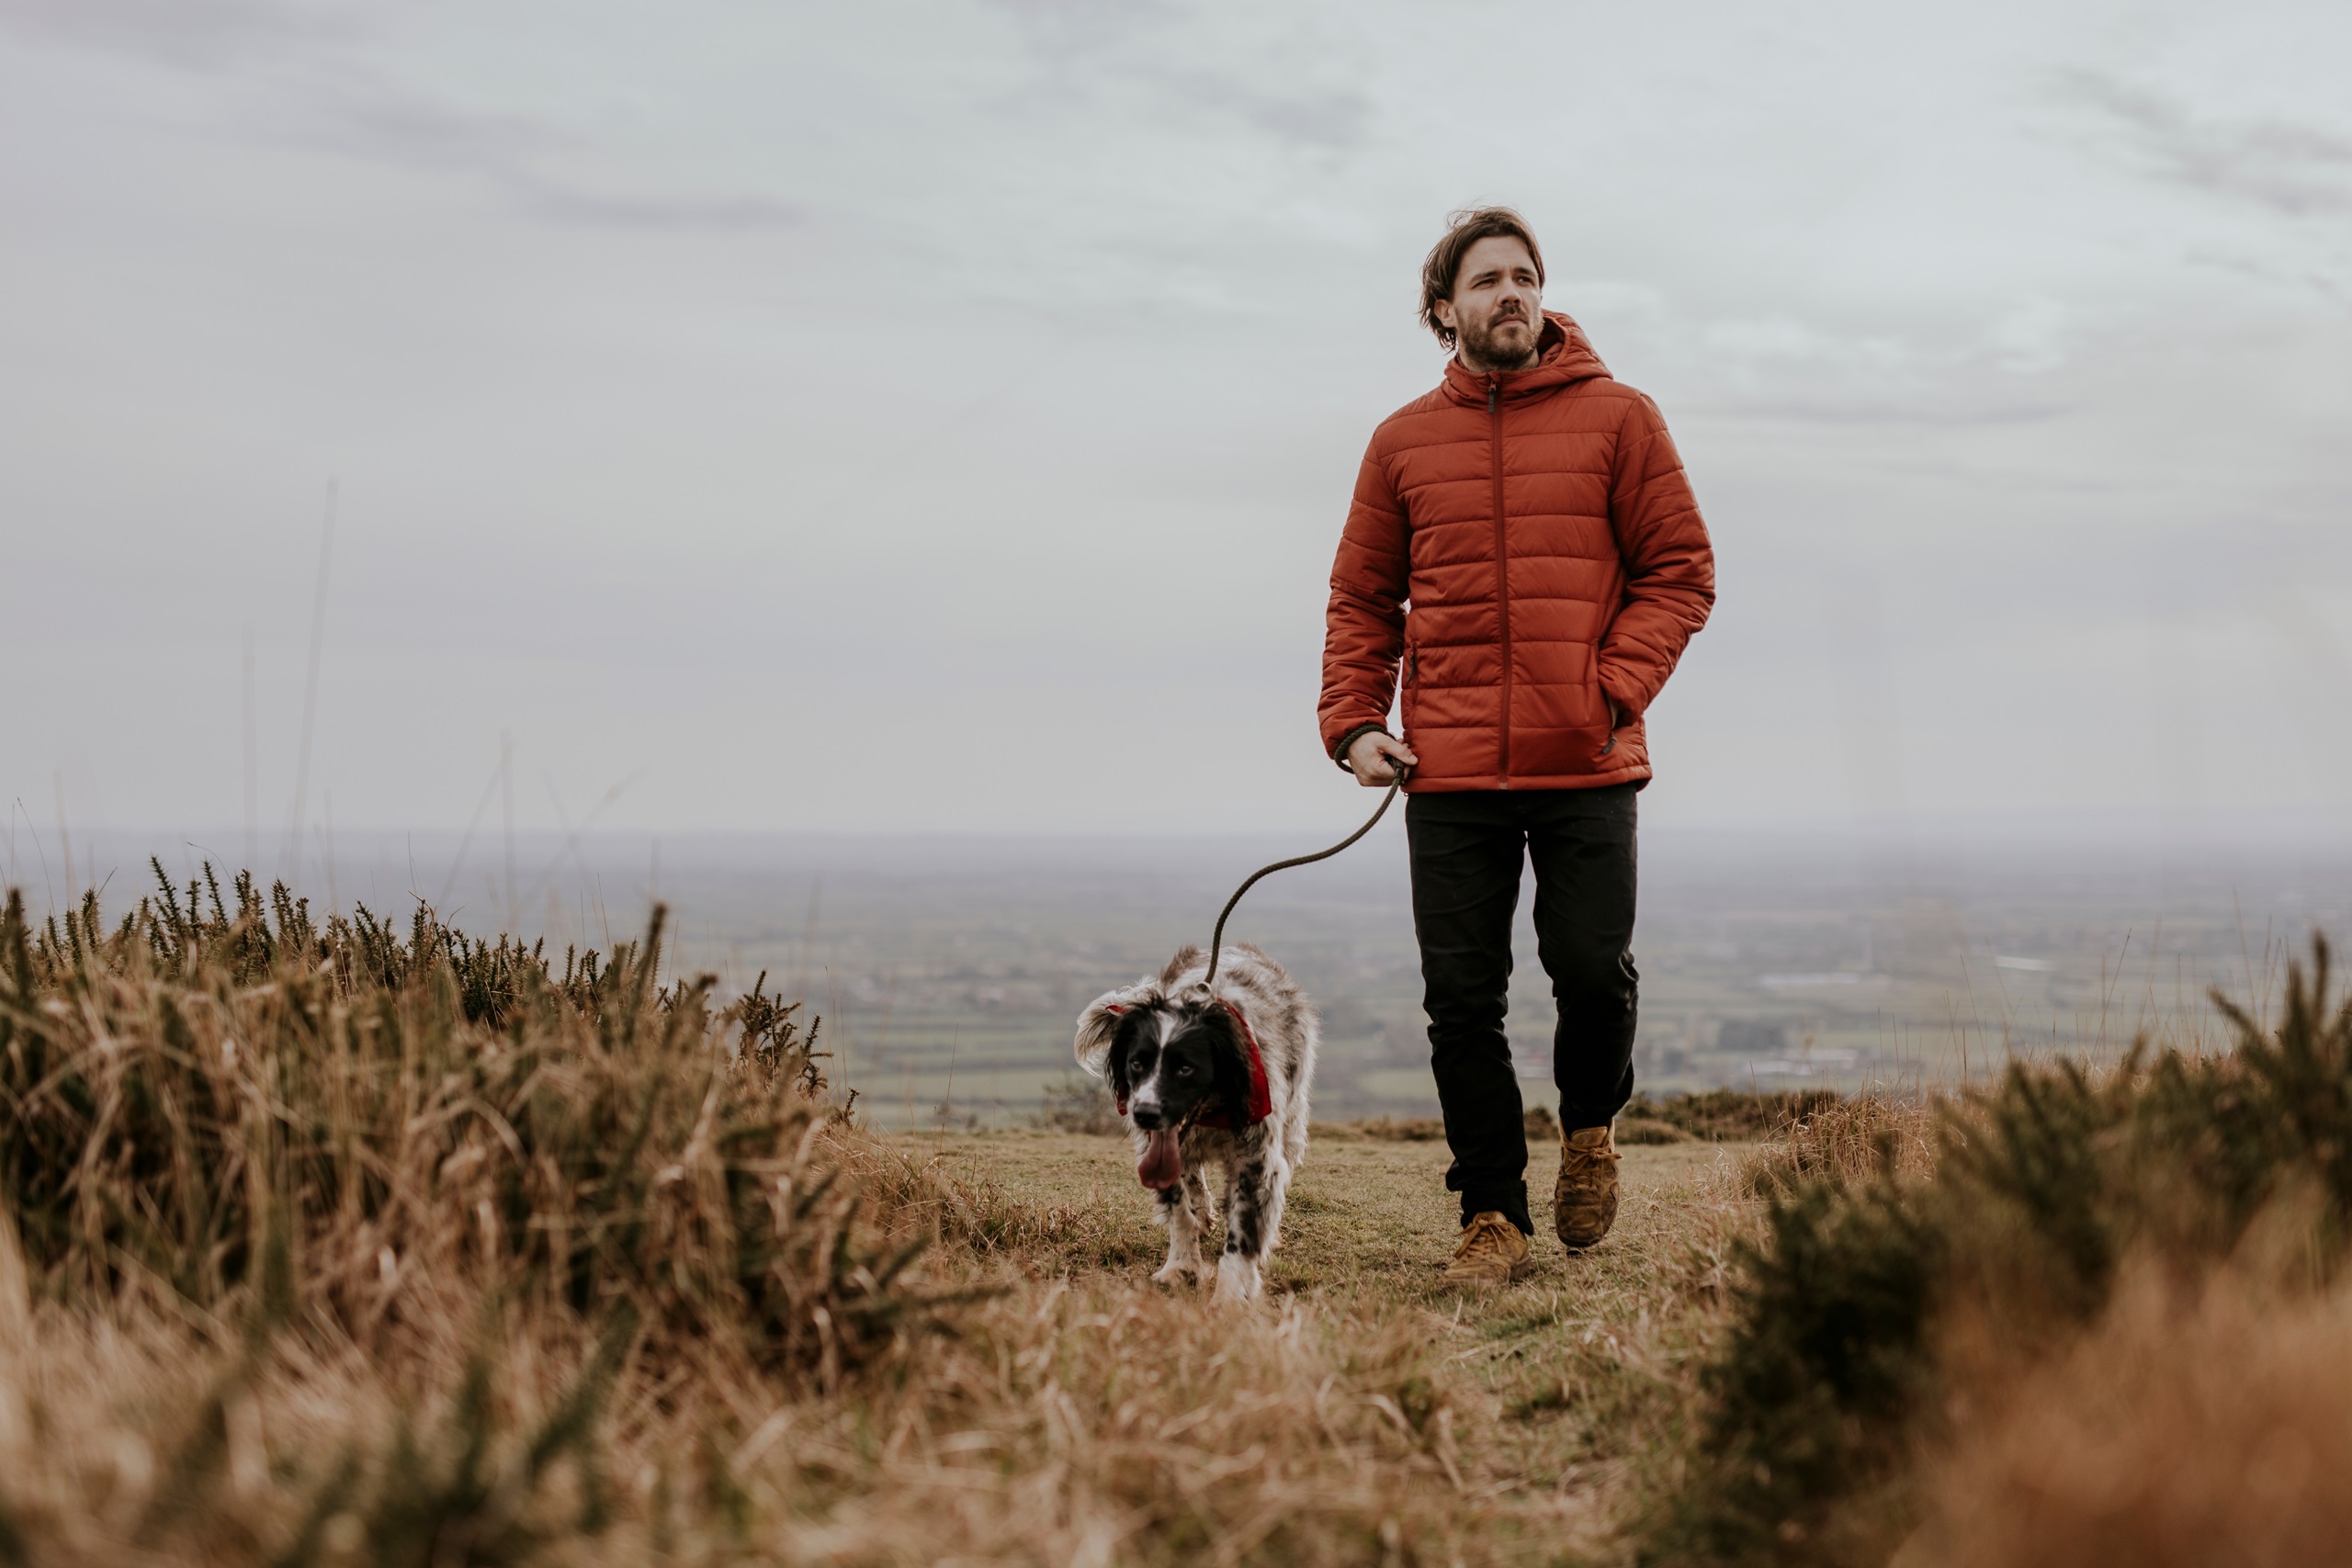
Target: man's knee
(1594, 977)
(1457, 1034)
(1467, 996)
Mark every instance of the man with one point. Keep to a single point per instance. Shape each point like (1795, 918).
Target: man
(1523, 543)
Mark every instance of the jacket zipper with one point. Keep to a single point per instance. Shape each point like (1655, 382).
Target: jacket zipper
(1502, 566)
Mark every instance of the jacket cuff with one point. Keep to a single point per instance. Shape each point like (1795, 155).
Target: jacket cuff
(1340, 753)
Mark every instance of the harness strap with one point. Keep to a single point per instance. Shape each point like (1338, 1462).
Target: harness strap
(1261, 1098)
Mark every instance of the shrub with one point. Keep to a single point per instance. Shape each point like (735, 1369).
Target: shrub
(1834, 1366)
(1646, 1130)
(2194, 1426)
(1726, 1114)
(1080, 1102)
(248, 1108)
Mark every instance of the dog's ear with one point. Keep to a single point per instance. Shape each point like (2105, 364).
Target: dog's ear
(1099, 1024)
(1118, 1060)
(1232, 1063)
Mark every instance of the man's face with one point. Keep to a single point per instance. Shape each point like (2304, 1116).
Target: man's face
(1497, 305)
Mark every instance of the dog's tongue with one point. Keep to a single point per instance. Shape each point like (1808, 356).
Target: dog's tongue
(1162, 1165)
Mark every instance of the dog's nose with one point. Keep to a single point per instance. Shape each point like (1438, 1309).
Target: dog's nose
(1148, 1118)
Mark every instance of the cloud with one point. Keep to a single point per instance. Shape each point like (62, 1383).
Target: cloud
(377, 121)
(1334, 120)
(302, 54)
(571, 203)
(1260, 72)
(2296, 169)
(208, 36)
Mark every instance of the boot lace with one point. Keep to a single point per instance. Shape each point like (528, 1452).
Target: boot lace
(1581, 1163)
(1486, 1237)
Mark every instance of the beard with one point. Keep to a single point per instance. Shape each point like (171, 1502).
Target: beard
(1502, 343)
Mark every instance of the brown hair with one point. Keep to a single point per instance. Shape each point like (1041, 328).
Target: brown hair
(1464, 230)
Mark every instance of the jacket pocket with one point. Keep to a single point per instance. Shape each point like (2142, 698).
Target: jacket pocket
(1611, 719)
(1413, 683)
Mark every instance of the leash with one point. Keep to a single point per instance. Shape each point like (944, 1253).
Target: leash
(1217, 942)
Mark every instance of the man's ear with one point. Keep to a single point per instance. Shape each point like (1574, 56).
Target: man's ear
(1099, 1024)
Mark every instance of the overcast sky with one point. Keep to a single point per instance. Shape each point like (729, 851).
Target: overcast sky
(941, 415)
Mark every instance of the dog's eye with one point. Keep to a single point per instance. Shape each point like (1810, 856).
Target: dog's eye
(1185, 1070)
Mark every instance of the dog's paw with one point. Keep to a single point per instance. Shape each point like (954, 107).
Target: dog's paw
(1178, 1276)
(1237, 1280)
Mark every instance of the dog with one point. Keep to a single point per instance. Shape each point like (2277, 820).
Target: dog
(1210, 1073)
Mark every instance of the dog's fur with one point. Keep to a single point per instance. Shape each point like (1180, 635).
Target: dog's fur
(1167, 1047)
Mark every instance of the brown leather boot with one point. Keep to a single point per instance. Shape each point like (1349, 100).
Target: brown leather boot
(1493, 1252)
(1584, 1198)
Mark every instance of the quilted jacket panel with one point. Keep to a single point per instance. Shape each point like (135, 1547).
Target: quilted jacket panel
(1524, 548)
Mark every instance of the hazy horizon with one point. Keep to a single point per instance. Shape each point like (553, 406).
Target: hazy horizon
(948, 968)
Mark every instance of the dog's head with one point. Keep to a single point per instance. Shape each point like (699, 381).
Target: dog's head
(1168, 1057)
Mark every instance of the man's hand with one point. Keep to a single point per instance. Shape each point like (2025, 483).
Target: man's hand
(1374, 758)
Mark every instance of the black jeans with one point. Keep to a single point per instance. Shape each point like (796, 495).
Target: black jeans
(1466, 850)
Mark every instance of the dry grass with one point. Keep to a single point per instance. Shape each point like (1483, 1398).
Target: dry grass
(2198, 1423)
(270, 1119)
(331, 1244)
(1079, 1417)
(1539, 1405)
(1851, 1140)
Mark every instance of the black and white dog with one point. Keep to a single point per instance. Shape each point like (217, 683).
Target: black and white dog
(1210, 1073)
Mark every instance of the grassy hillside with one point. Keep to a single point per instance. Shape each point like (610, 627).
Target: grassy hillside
(336, 1242)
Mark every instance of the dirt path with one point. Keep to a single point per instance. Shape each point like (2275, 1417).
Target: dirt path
(1365, 1213)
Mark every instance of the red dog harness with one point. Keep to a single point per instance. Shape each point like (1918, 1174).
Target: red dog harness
(1261, 1098)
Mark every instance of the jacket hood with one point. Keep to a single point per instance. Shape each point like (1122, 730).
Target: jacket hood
(1564, 354)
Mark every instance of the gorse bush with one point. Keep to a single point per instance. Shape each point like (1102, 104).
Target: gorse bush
(1841, 1357)
(230, 1101)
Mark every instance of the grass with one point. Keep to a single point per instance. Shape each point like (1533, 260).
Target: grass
(332, 1243)
(1502, 1427)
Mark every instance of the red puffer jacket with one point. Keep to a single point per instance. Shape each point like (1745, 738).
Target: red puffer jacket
(1525, 543)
